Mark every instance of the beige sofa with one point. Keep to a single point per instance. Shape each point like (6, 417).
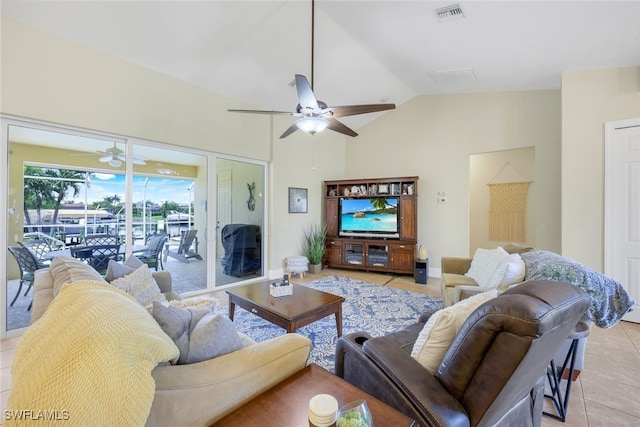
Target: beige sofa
(455, 285)
(201, 393)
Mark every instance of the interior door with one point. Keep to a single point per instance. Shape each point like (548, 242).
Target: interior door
(622, 208)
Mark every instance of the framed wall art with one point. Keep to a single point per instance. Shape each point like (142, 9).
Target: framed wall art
(297, 200)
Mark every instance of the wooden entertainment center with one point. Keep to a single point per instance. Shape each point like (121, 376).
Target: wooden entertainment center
(392, 252)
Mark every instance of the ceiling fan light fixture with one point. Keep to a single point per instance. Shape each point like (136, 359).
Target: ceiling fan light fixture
(114, 163)
(312, 125)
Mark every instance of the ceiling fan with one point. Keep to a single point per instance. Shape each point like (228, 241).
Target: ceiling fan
(314, 114)
(115, 157)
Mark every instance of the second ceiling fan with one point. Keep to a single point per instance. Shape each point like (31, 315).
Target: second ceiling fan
(314, 114)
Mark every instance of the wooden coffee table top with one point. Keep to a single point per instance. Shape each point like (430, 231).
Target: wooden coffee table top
(287, 403)
(304, 306)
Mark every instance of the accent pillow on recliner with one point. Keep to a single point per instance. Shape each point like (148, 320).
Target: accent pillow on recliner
(200, 334)
(484, 263)
(441, 329)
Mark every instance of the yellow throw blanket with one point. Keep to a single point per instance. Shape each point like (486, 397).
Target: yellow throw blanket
(87, 361)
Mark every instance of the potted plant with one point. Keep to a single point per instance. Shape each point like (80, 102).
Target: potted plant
(313, 247)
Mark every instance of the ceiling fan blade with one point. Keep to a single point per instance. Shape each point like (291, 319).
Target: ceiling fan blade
(306, 98)
(337, 126)
(289, 131)
(106, 158)
(289, 113)
(139, 161)
(352, 110)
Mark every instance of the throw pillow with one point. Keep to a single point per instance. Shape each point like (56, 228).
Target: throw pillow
(484, 263)
(441, 329)
(198, 333)
(213, 336)
(116, 270)
(66, 269)
(133, 262)
(141, 285)
(514, 270)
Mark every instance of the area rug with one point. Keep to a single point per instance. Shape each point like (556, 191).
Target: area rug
(375, 309)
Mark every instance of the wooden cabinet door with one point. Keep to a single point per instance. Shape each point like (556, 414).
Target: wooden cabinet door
(402, 257)
(408, 218)
(331, 216)
(333, 253)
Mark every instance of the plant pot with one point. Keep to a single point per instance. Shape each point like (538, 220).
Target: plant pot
(315, 268)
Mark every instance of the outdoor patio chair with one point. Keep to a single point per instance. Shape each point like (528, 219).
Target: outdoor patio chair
(39, 248)
(186, 249)
(101, 239)
(27, 265)
(97, 256)
(152, 256)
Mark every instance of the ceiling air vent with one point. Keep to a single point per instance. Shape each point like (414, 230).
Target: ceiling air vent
(449, 13)
(448, 77)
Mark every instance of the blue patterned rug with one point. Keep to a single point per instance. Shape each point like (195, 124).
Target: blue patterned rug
(373, 308)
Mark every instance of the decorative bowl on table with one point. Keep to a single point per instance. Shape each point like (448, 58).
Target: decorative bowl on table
(355, 414)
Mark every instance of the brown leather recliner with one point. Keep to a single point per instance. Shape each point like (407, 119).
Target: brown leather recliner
(493, 373)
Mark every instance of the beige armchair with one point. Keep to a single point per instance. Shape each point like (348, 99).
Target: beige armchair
(455, 286)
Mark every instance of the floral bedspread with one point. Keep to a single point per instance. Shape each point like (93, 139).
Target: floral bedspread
(609, 300)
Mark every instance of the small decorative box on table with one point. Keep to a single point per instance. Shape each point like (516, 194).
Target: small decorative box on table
(279, 290)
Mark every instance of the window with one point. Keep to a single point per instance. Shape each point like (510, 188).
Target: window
(64, 184)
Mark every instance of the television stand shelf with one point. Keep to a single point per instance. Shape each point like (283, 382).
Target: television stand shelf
(371, 224)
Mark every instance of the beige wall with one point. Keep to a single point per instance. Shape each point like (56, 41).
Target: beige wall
(433, 136)
(52, 79)
(589, 99)
(304, 162)
(500, 167)
(49, 78)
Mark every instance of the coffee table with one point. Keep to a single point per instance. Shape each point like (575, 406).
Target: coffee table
(287, 403)
(304, 306)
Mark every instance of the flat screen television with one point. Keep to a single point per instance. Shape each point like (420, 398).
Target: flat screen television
(369, 217)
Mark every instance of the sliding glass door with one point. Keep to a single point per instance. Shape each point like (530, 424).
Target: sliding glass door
(64, 185)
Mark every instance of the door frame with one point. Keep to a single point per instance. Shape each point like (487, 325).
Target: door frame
(609, 189)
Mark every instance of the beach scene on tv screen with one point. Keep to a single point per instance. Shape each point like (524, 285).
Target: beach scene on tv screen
(377, 214)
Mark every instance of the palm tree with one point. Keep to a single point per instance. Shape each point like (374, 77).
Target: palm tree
(66, 180)
(36, 192)
(379, 203)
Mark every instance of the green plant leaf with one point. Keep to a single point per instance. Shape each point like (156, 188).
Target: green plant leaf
(313, 245)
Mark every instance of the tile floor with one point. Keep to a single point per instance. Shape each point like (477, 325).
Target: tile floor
(605, 394)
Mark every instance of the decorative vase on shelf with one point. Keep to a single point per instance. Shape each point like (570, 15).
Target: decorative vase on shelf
(422, 252)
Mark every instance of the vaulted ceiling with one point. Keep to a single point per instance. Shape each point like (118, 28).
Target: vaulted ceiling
(365, 51)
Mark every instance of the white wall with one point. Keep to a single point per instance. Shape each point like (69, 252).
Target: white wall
(433, 136)
(589, 99)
